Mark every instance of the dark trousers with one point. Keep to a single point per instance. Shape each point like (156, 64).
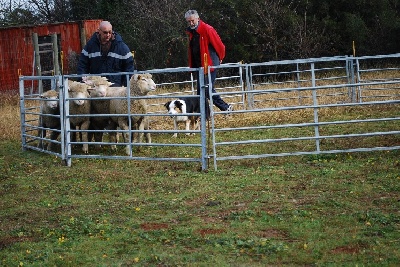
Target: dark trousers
(217, 100)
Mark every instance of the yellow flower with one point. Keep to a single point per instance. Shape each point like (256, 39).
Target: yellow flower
(136, 259)
(137, 209)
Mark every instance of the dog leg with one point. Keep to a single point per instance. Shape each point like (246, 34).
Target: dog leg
(196, 124)
(175, 128)
(187, 122)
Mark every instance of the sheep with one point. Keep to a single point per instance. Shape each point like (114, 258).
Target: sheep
(140, 85)
(99, 88)
(79, 106)
(49, 109)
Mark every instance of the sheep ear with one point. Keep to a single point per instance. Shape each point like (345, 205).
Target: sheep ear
(167, 104)
(88, 82)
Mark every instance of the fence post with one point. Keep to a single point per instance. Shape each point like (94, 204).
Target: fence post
(36, 60)
(315, 103)
(22, 112)
(65, 122)
(243, 87)
(61, 89)
(351, 78)
(203, 125)
(83, 37)
(55, 54)
(358, 80)
(298, 84)
(249, 82)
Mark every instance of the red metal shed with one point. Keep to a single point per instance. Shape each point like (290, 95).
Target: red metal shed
(17, 50)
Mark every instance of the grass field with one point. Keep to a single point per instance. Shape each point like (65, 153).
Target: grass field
(328, 210)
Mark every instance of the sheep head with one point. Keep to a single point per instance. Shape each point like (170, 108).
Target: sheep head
(93, 78)
(142, 84)
(98, 84)
(78, 90)
(51, 98)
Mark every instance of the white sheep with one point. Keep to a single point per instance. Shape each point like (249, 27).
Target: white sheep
(49, 118)
(99, 88)
(79, 107)
(140, 85)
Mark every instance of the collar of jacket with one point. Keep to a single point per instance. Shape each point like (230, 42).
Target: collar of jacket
(199, 28)
(116, 37)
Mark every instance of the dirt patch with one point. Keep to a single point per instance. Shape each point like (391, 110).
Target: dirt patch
(273, 233)
(346, 250)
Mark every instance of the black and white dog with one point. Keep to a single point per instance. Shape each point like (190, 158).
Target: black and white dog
(186, 105)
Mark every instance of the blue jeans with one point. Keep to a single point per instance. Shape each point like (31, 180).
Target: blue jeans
(217, 100)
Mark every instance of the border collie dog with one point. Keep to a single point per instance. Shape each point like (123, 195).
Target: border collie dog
(186, 105)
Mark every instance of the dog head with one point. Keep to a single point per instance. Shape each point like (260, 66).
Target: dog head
(175, 106)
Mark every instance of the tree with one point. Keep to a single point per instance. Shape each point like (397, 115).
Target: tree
(252, 30)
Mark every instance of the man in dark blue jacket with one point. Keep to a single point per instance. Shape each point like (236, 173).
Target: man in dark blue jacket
(106, 52)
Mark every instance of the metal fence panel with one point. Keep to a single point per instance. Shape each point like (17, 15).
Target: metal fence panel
(281, 108)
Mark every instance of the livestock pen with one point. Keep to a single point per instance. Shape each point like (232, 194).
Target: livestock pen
(282, 108)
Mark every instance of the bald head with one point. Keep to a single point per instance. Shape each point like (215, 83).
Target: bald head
(104, 25)
(105, 31)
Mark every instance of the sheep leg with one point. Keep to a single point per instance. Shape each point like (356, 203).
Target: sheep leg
(139, 136)
(124, 126)
(113, 139)
(147, 127)
(53, 136)
(41, 134)
(84, 127)
(113, 135)
(126, 137)
(97, 136)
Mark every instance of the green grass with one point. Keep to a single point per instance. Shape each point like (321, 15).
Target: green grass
(327, 210)
(322, 210)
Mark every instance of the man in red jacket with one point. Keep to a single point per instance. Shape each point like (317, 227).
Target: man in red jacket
(205, 49)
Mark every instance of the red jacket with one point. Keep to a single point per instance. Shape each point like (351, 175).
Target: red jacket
(208, 35)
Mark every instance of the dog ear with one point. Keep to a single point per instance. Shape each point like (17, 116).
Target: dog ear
(178, 104)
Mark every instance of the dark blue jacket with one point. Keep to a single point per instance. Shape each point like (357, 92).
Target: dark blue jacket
(118, 59)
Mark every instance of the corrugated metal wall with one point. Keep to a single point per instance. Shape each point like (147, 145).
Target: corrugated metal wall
(17, 51)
